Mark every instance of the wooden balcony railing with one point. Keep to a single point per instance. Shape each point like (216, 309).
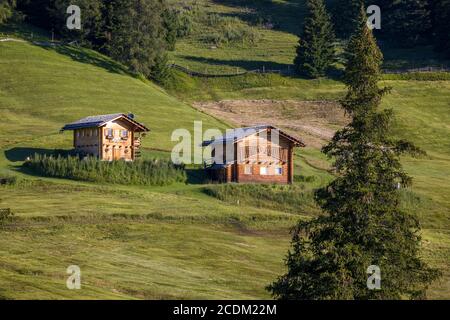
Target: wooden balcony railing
(260, 151)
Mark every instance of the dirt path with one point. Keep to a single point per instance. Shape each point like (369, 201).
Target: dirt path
(313, 121)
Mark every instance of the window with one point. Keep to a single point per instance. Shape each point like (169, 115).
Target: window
(109, 132)
(278, 170)
(248, 170)
(263, 171)
(124, 134)
(95, 132)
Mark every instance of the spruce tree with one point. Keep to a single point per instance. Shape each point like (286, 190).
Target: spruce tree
(406, 22)
(91, 20)
(138, 34)
(160, 71)
(315, 51)
(345, 14)
(363, 223)
(39, 13)
(441, 28)
(6, 10)
(170, 20)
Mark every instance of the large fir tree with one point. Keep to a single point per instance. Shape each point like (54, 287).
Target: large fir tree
(133, 32)
(345, 14)
(138, 36)
(6, 9)
(406, 22)
(441, 13)
(363, 223)
(315, 51)
(91, 20)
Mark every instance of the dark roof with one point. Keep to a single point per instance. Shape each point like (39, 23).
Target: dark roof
(100, 120)
(240, 133)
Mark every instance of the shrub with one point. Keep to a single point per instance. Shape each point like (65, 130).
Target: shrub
(290, 198)
(228, 30)
(5, 215)
(139, 172)
(213, 38)
(178, 24)
(184, 24)
(8, 180)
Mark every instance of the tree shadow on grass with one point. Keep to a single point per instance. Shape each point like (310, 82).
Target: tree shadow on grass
(287, 70)
(40, 37)
(285, 16)
(87, 56)
(244, 64)
(21, 153)
(196, 176)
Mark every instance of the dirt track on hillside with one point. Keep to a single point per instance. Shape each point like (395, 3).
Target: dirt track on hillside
(314, 122)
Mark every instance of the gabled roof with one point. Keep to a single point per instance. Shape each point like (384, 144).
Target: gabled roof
(238, 134)
(100, 120)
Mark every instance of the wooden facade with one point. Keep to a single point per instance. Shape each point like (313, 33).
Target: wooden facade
(108, 137)
(256, 156)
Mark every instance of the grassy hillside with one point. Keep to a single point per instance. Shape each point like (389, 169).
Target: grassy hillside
(262, 33)
(421, 107)
(175, 241)
(43, 88)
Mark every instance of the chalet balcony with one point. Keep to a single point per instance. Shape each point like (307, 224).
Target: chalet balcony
(262, 152)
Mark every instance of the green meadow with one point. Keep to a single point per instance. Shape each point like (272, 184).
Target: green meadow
(262, 34)
(185, 240)
(43, 88)
(178, 229)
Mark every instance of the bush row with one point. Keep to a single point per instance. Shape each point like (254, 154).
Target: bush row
(139, 172)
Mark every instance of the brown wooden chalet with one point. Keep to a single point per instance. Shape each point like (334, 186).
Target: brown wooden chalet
(109, 137)
(253, 154)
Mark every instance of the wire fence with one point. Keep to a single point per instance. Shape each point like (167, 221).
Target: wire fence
(414, 70)
(287, 71)
(290, 71)
(229, 74)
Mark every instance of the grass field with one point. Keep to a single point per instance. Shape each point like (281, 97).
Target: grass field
(277, 24)
(48, 87)
(60, 222)
(174, 241)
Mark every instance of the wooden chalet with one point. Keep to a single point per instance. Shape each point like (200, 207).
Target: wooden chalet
(261, 154)
(109, 137)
